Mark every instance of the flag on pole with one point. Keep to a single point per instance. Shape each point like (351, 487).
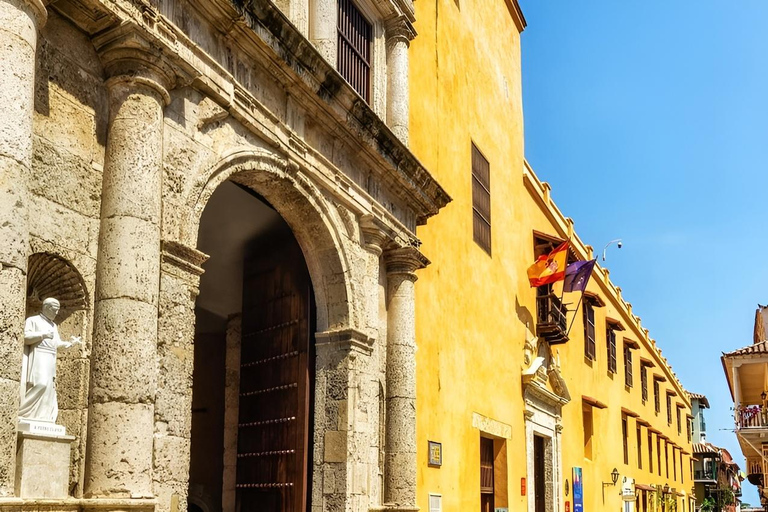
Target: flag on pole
(577, 275)
(549, 268)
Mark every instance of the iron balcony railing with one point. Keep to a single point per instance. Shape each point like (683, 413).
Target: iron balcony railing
(552, 323)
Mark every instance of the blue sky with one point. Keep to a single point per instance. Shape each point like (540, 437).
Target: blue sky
(650, 121)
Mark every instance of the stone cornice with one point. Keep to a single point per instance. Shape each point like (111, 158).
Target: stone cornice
(399, 29)
(306, 65)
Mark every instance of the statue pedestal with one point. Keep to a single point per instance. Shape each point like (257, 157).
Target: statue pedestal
(42, 460)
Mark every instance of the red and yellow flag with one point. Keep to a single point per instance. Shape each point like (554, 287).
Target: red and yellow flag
(549, 268)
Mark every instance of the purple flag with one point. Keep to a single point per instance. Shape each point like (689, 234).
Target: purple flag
(577, 275)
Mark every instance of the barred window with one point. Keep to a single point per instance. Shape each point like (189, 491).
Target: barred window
(354, 48)
(481, 200)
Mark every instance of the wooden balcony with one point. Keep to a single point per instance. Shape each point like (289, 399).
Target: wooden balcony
(552, 324)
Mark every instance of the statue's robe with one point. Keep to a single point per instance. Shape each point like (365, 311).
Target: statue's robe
(39, 370)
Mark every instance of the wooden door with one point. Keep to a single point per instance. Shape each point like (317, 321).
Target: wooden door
(539, 482)
(276, 376)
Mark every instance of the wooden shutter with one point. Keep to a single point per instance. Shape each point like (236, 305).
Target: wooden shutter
(486, 465)
(610, 336)
(354, 48)
(625, 437)
(589, 331)
(628, 377)
(669, 409)
(656, 397)
(644, 383)
(481, 200)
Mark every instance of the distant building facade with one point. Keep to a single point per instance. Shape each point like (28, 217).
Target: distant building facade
(716, 476)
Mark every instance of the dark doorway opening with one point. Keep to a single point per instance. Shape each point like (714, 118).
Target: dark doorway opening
(253, 379)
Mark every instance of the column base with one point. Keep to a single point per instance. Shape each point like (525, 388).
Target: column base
(42, 464)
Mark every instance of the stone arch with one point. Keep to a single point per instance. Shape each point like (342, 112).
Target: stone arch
(306, 212)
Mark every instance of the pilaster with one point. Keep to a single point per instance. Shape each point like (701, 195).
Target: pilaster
(20, 21)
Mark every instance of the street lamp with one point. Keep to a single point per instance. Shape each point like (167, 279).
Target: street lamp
(616, 241)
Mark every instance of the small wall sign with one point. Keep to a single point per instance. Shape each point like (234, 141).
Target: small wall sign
(435, 454)
(522, 486)
(567, 506)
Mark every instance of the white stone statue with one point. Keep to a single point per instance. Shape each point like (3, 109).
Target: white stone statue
(41, 341)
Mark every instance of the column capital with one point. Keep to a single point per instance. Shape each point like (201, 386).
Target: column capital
(375, 234)
(399, 29)
(404, 260)
(127, 56)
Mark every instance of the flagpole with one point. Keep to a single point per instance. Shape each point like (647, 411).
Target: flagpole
(575, 312)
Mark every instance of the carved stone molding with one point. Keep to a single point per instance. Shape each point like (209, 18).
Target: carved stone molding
(182, 261)
(346, 340)
(128, 56)
(405, 260)
(39, 11)
(399, 29)
(376, 235)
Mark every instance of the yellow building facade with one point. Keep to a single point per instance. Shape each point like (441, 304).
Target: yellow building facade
(508, 412)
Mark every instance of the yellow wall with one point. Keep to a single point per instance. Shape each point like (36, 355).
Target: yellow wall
(472, 308)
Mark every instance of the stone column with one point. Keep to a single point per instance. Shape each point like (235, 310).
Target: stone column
(400, 457)
(124, 355)
(322, 28)
(398, 37)
(20, 21)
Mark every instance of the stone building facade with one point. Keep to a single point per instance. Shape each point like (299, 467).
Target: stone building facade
(119, 120)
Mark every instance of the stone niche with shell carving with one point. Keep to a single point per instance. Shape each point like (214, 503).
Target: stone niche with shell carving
(49, 275)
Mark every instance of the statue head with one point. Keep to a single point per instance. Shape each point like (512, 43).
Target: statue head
(50, 308)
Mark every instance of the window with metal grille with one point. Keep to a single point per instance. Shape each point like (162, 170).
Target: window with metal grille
(589, 331)
(628, 378)
(354, 48)
(610, 338)
(481, 200)
(486, 474)
(656, 397)
(644, 383)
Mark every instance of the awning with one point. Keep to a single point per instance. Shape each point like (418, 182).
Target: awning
(644, 487)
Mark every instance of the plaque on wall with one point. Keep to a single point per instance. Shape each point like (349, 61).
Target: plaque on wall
(435, 454)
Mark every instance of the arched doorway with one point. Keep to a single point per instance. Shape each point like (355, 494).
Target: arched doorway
(253, 379)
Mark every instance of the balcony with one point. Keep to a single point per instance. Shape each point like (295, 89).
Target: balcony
(551, 324)
(751, 416)
(704, 475)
